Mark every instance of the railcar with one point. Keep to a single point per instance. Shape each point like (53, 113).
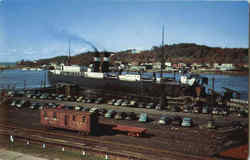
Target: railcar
(84, 122)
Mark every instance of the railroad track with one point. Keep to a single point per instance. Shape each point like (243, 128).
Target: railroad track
(88, 141)
(176, 140)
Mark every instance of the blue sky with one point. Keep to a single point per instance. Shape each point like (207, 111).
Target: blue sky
(33, 29)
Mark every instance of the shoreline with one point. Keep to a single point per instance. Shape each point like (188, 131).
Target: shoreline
(243, 73)
(236, 73)
(10, 68)
(240, 73)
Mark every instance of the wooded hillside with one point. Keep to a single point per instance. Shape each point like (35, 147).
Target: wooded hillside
(186, 53)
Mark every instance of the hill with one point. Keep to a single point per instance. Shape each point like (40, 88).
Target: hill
(184, 52)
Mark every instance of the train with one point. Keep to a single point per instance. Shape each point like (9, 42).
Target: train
(84, 122)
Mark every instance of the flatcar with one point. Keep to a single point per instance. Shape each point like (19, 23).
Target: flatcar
(131, 131)
(84, 122)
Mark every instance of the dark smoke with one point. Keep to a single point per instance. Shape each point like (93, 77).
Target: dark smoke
(64, 34)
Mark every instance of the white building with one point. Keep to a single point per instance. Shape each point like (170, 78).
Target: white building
(73, 68)
(135, 51)
(157, 65)
(168, 64)
(226, 66)
(216, 65)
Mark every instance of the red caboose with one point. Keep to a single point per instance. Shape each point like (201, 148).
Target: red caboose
(84, 122)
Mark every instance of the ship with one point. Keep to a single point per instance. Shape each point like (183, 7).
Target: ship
(97, 76)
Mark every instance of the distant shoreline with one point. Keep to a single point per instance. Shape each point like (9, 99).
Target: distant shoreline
(240, 73)
(10, 68)
(223, 72)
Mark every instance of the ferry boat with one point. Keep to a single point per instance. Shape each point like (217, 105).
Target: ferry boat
(98, 76)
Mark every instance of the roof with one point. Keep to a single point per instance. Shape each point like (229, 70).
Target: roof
(66, 110)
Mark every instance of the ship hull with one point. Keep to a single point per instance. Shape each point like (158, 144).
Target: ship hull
(140, 88)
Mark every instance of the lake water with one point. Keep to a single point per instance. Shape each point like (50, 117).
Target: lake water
(19, 78)
(32, 79)
(7, 64)
(235, 82)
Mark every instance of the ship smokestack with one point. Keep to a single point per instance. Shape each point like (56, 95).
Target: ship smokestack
(96, 63)
(105, 64)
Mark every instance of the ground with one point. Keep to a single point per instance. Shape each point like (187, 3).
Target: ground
(168, 138)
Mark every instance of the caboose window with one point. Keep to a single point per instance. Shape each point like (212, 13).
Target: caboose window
(74, 118)
(83, 118)
(54, 115)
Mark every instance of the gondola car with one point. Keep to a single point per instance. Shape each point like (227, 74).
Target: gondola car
(84, 122)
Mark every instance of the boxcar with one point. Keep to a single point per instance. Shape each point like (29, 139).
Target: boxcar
(84, 122)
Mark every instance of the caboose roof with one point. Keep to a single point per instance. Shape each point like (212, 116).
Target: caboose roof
(67, 110)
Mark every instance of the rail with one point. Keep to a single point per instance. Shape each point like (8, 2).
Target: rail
(89, 141)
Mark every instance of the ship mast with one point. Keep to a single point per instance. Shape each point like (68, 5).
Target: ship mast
(69, 58)
(162, 53)
(163, 100)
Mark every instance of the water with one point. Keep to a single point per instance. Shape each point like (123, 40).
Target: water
(19, 79)
(7, 64)
(235, 82)
(33, 79)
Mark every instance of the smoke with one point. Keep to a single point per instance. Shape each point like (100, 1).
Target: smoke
(67, 35)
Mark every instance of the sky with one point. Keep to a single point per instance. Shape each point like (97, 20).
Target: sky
(34, 29)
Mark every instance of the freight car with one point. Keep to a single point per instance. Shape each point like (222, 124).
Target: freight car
(131, 131)
(84, 122)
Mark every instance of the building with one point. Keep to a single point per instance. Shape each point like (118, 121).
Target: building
(174, 65)
(157, 65)
(216, 65)
(135, 51)
(245, 65)
(72, 68)
(147, 65)
(181, 65)
(168, 64)
(138, 68)
(225, 66)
